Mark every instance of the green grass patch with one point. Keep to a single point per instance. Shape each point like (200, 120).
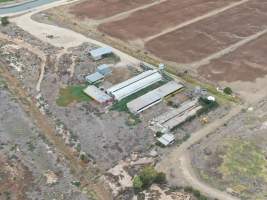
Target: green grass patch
(121, 105)
(3, 1)
(244, 160)
(72, 94)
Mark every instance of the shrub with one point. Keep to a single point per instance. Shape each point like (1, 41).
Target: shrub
(160, 178)
(228, 91)
(159, 134)
(207, 105)
(147, 177)
(4, 21)
(137, 184)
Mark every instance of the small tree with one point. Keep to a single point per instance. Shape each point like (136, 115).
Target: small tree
(137, 184)
(148, 175)
(4, 21)
(160, 178)
(228, 90)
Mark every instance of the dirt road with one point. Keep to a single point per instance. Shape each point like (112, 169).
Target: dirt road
(62, 37)
(177, 161)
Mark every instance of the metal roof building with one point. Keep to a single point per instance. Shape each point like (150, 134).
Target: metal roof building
(92, 78)
(104, 69)
(97, 94)
(98, 53)
(166, 139)
(153, 97)
(134, 84)
(169, 120)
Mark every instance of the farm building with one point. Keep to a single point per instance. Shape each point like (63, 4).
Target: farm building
(169, 120)
(166, 139)
(97, 54)
(97, 94)
(134, 84)
(104, 69)
(93, 78)
(153, 97)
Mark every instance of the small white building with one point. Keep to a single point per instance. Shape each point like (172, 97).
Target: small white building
(97, 54)
(104, 69)
(93, 78)
(166, 139)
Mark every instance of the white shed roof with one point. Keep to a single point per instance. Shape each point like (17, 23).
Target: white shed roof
(151, 98)
(100, 51)
(135, 84)
(94, 77)
(166, 139)
(131, 80)
(97, 94)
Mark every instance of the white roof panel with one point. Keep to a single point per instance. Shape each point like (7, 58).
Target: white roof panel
(97, 94)
(139, 104)
(100, 51)
(131, 81)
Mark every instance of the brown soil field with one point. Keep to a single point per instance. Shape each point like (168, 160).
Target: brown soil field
(99, 9)
(152, 20)
(246, 64)
(211, 35)
(15, 179)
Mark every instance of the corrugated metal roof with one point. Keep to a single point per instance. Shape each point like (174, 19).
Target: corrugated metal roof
(173, 113)
(94, 77)
(166, 139)
(97, 94)
(131, 80)
(100, 51)
(151, 98)
(104, 69)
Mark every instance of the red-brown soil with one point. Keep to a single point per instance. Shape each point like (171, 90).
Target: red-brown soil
(211, 35)
(99, 9)
(15, 179)
(152, 20)
(245, 64)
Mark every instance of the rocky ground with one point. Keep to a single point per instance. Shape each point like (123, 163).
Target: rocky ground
(234, 157)
(30, 169)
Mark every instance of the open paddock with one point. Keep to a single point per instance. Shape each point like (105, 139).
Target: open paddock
(99, 9)
(153, 20)
(200, 40)
(245, 64)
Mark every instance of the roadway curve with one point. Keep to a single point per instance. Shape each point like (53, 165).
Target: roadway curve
(176, 160)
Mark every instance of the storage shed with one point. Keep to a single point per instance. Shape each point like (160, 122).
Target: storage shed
(104, 69)
(153, 97)
(166, 139)
(134, 84)
(97, 94)
(97, 54)
(93, 78)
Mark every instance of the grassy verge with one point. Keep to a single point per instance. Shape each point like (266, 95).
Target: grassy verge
(72, 94)
(221, 97)
(3, 1)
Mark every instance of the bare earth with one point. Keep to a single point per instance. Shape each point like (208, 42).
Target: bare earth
(99, 9)
(199, 40)
(152, 20)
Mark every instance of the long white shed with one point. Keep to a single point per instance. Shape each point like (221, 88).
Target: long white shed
(134, 84)
(153, 97)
